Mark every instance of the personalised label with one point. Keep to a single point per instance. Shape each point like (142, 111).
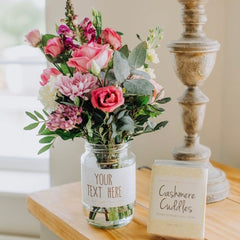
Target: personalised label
(109, 187)
(178, 199)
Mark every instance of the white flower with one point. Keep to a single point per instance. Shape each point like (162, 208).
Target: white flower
(149, 71)
(152, 56)
(95, 68)
(47, 95)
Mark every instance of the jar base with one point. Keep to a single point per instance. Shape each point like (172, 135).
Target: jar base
(109, 218)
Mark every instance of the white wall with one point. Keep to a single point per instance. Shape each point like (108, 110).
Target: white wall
(221, 130)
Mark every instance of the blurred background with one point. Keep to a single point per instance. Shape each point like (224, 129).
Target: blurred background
(22, 171)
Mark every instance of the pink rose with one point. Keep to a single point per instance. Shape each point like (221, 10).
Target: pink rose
(54, 47)
(111, 37)
(157, 89)
(34, 38)
(107, 98)
(47, 73)
(83, 57)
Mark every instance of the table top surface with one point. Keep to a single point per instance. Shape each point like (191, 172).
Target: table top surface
(60, 210)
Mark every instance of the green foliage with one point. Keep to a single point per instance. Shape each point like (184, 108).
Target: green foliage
(97, 22)
(138, 55)
(138, 87)
(120, 67)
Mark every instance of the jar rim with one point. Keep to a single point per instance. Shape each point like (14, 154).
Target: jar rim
(105, 147)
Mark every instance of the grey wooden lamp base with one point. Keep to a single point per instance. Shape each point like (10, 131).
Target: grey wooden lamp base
(193, 57)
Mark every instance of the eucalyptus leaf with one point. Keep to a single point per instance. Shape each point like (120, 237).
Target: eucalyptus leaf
(44, 149)
(141, 74)
(126, 124)
(138, 55)
(110, 119)
(32, 116)
(120, 67)
(121, 114)
(139, 86)
(31, 126)
(124, 50)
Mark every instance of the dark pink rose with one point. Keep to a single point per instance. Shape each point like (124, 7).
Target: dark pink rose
(107, 98)
(47, 73)
(34, 38)
(54, 47)
(83, 57)
(111, 37)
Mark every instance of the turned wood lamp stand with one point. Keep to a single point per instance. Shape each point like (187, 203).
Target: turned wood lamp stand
(193, 58)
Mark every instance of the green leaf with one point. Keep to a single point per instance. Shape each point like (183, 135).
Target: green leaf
(126, 124)
(43, 127)
(89, 127)
(142, 100)
(138, 55)
(45, 113)
(76, 101)
(121, 114)
(39, 115)
(156, 107)
(32, 116)
(164, 100)
(46, 37)
(139, 87)
(47, 139)
(141, 119)
(161, 124)
(141, 74)
(64, 69)
(119, 33)
(44, 149)
(124, 50)
(110, 119)
(31, 126)
(120, 67)
(114, 130)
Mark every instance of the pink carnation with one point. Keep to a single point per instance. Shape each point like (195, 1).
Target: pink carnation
(65, 117)
(80, 85)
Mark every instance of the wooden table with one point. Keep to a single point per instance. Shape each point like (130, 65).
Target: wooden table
(59, 209)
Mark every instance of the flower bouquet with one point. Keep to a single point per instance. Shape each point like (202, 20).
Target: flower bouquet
(99, 90)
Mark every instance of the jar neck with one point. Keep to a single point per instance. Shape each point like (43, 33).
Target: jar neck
(101, 148)
(108, 156)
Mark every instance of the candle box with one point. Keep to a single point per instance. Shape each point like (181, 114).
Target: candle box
(178, 199)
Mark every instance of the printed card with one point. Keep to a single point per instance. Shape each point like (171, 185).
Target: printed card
(178, 199)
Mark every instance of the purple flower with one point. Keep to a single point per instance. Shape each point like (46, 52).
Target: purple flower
(68, 43)
(89, 32)
(65, 117)
(65, 31)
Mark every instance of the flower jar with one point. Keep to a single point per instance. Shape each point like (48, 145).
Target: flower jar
(108, 176)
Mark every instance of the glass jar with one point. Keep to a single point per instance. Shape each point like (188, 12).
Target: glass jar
(108, 176)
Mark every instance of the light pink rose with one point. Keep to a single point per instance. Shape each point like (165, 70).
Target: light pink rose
(54, 47)
(34, 38)
(107, 98)
(110, 36)
(83, 57)
(47, 73)
(157, 89)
